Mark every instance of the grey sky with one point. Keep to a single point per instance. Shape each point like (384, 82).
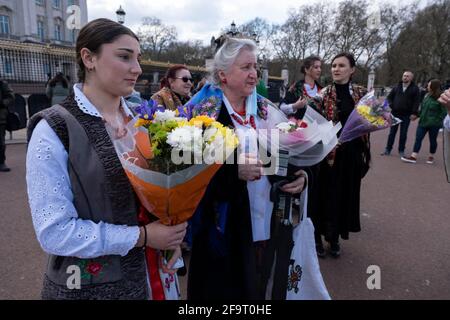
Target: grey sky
(197, 19)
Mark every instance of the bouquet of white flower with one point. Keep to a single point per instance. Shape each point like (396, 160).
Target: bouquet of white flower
(307, 141)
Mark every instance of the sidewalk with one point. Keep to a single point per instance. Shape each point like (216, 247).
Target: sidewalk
(17, 137)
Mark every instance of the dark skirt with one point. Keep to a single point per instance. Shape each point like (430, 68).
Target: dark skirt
(338, 201)
(223, 263)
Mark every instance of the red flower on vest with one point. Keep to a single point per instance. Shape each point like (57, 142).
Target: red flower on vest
(94, 268)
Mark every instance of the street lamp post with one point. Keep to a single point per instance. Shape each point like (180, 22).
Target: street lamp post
(371, 80)
(120, 15)
(233, 30)
(255, 37)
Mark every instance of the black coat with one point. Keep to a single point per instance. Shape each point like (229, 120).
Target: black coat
(6, 100)
(404, 103)
(223, 265)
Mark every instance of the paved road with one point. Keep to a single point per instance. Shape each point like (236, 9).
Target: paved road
(405, 231)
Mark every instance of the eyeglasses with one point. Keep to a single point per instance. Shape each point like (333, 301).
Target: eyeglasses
(185, 79)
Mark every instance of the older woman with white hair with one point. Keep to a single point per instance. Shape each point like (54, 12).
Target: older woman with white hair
(234, 216)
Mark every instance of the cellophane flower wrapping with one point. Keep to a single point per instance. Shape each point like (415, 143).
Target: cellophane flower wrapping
(308, 141)
(370, 114)
(170, 159)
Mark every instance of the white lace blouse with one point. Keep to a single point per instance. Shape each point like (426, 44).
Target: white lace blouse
(55, 219)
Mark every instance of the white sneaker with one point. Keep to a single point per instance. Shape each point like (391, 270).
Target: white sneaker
(409, 159)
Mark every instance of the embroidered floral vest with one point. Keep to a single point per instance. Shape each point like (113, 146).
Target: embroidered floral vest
(92, 158)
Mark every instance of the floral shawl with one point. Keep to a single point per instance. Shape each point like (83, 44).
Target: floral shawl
(167, 98)
(208, 101)
(328, 97)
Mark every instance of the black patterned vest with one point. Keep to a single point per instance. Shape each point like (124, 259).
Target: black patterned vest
(101, 192)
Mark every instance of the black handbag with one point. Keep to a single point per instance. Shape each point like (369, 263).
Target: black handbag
(12, 121)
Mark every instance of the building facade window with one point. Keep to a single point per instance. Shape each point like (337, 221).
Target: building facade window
(7, 66)
(70, 3)
(47, 69)
(39, 2)
(41, 30)
(56, 4)
(58, 36)
(4, 24)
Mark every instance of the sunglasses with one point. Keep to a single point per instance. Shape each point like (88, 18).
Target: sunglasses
(185, 79)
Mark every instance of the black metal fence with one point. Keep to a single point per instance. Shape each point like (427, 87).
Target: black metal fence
(28, 66)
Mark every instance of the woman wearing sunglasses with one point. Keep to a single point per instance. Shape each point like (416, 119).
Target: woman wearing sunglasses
(175, 88)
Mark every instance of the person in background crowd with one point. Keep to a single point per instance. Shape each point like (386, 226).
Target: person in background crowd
(200, 85)
(341, 173)
(303, 91)
(261, 88)
(57, 89)
(432, 114)
(69, 82)
(404, 100)
(6, 101)
(175, 88)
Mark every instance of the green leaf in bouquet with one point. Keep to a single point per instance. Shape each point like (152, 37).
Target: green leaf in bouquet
(160, 136)
(155, 148)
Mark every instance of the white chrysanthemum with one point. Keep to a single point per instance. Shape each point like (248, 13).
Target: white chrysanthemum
(163, 116)
(209, 134)
(215, 151)
(284, 126)
(186, 138)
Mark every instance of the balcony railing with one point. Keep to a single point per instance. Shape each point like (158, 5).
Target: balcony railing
(9, 36)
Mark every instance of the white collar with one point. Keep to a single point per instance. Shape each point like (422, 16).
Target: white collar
(87, 107)
(312, 91)
(307, 86)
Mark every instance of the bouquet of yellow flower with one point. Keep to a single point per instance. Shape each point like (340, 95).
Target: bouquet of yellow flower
(370, 114)
(170, 158)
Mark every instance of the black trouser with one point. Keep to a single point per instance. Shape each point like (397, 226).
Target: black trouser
(2, 143)
(403, 134)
